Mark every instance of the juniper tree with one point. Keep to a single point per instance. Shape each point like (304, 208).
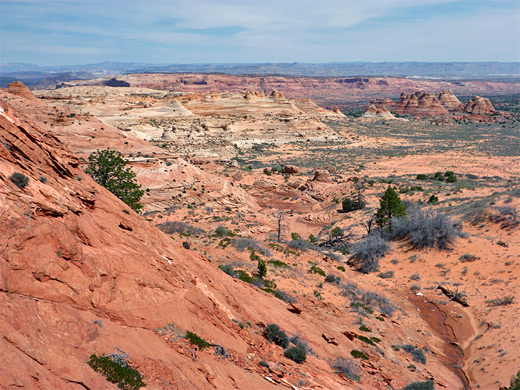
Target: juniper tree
(107, 167)
(390, 206)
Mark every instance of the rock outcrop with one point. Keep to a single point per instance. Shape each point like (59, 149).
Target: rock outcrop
(420, 104)
(381, 103)
(449, 101)
(377, 113)
(18, 88)
(479, 106)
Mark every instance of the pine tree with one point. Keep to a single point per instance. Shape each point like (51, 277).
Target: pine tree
(389, 206)
(107, 167)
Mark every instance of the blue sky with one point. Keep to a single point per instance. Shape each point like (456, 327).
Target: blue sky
(70, 32)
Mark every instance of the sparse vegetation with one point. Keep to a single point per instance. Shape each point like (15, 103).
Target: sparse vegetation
(503, 301)
(117, 372)
(426, 229)
(194, 339)
(346, 367)
(274, 334)
(296, 354)
(182, 228)
(368, 251)
(358, 354)
(428, 385)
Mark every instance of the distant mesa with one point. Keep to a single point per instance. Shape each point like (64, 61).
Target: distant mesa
(18, 88)
(377, 113)
(113, 82)
(479, 106)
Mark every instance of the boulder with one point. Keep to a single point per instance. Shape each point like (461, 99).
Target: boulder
(291, 169)
(322, 175)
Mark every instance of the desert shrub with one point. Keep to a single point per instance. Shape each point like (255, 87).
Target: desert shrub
(118, 372)
(222, 231)
(278, 263)
(262, 267)
(366, 340)
(417, 353)
(242, 244)
(368, 251)
(507, 216)
(19, 179)
(422, 176)
(316, 270)
(358, 354)
(299, 244)
(243, 276)
(469, 258)
(330, 278)
(282, 295)
(341, 268)
(274, 334)
(43, 179)
(451, 179)
(433, 199)
(347, 367)
(296, 354)
(228, 269)
(194, 339)
(386, 275)
(426, 230)
(300, 342)
(428, 385)
(179, 227)
(349, 204)
(186, 245)
(504, 301)
(514, 384)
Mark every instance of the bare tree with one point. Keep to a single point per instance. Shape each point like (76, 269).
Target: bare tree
(281, 226)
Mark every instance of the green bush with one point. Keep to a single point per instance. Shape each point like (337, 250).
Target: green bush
(428, 385)
(422, 176)
(433, 199)
(19, 179)
(296, 354)
(124, 376)
(186, 245)
(514, 384)
(350, 205)
(358, 354)
(274, 334)
(451, 179)
(194, 339)
(316, 270)
(262, 268)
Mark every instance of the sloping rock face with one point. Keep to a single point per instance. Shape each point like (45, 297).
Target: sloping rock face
(80, 276)
(378, 113)
(479, 106)
(449, 101)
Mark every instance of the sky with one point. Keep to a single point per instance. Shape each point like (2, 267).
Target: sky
(73, 32)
